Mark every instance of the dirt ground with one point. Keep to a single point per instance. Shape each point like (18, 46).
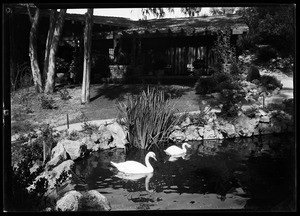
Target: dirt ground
(102, 106)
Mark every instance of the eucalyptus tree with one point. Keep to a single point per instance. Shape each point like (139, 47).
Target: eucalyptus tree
(44, 82)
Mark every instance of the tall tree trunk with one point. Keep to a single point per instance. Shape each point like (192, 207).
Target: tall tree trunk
(49, 86)
(85, 96)
(53, 16)
(36, 73)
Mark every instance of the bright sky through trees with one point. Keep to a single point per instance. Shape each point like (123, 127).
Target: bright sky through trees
(133, 13)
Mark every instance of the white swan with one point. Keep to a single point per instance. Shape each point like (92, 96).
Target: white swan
(134, 167)
(175, 150)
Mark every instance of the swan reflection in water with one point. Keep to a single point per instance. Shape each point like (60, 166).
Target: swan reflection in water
(175, 158)
(135, 177)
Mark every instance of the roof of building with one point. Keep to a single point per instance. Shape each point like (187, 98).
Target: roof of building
(166, 26)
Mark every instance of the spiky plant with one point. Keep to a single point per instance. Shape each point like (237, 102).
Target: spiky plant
(148, 117)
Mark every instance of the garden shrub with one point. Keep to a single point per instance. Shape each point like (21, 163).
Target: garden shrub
(270, 82)
(234, 69)
(227, 84)
(253, 73)
(231, 99)
(222, 77)
(216, 83)
(224, 81)
(289, 106)
(251, 112)
(47, 102)
(148, 117)
(218, 67)
(23, 77)
(205, 85)
(64, 94)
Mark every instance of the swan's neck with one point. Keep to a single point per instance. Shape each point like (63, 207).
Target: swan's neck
(148, 165)
(184, 145)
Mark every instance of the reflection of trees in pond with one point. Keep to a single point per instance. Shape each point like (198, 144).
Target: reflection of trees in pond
(262, 173)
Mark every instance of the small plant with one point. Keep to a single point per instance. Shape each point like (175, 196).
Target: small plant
(74, 135)
(48, 141)
(200, 119)
(62, 178)
(148, 117)
(251, 112)
(64, 94)
(87, 127)
(270, 82)
(253, 73)
(47, 102)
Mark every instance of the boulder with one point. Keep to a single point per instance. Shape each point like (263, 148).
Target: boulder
(88, 142)
(75, 149)
(119, 135)
(191, 133)
(55, 173)
(94, 201)
(210, 133)
(58, 155)
(264, 128)
(69, 202)
(264, 119)
(244, 126)
(177, 135)
(229, 130)
(261, 112)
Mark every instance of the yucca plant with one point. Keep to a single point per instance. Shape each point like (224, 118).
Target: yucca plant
(148, 117)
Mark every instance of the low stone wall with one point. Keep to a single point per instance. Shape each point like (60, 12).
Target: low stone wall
(263, 123)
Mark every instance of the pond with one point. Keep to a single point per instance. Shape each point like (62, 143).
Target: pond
(255, 174)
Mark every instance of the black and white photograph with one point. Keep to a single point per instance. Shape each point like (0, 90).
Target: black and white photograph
(149, 107)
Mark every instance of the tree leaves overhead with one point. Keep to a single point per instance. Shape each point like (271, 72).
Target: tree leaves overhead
(271, 25)
(161, 12)
(191, 11)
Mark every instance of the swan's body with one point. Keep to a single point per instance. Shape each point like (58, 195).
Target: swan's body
(175, 150)
(134, 167)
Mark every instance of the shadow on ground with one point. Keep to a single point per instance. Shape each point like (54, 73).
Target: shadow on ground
(119, 91)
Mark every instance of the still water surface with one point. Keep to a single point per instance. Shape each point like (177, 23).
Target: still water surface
(251, 174)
